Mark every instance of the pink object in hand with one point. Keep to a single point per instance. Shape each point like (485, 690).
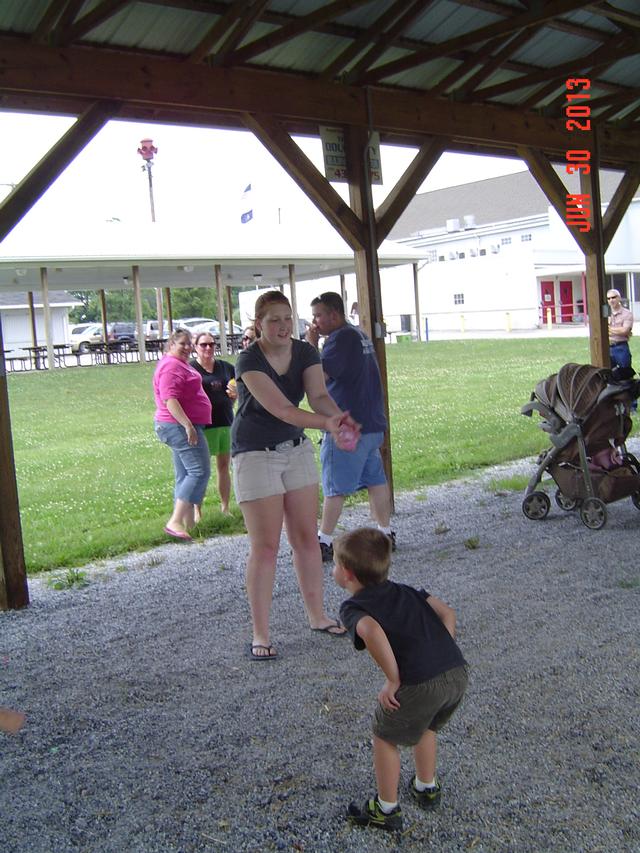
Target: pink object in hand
(348, 438)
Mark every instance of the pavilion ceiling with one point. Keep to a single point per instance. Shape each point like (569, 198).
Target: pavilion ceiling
(485, 75)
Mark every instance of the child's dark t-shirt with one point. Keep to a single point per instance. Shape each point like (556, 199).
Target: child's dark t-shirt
(421, 644)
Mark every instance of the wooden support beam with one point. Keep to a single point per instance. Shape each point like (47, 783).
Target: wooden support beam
(301, 24)
(152, 87)
(14, 592)
(594, 263)
(98, 15)
(401, 195)
(215, 33)
(555, 191)
(44, 173)
(367, 270)
(291, 157)
(250, 13)
(531, 17)
(619, 204)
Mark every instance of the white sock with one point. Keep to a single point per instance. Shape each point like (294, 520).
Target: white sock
(385, 530)
(424, 786)
(386, 807)
(325, 537)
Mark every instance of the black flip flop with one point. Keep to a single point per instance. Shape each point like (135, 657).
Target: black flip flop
(260, 658)
(334, 633)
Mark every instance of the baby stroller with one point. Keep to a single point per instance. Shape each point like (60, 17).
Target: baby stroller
(585, 410)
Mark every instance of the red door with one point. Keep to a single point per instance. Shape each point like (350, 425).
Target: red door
(548, 300)
(566, 301)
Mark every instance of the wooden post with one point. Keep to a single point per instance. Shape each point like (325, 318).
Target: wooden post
(46, 311)
(32, 320)
(367, 272)
(220, 298)
(103, 316)
(343, 291)
(167, 297)
(595, 271)
(137, 301)
(294, 300)
(14, 592)
(416, 298)
(159, 311)
(230, 308)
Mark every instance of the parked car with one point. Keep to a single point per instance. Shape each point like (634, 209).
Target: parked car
(214, 328)
(123, 332)
(191, 323)
(82, 335)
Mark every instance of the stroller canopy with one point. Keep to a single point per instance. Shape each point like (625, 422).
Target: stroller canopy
(573, 392)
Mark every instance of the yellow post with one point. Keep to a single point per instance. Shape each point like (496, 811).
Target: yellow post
(462, 328)
(549, 322)
(508, 321)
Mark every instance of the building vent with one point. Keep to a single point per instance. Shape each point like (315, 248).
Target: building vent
(495, 249)
(453, 225)
(469, 221)
(473, 253)
(452, 256)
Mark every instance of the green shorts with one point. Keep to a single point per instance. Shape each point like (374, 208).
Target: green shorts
(422, 706)
(218, 439)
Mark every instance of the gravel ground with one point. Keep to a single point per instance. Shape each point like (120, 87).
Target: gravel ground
(149, 730)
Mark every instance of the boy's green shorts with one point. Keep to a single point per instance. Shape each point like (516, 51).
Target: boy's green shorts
(218, 439)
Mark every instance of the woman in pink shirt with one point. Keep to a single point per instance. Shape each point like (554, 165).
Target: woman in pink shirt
(182, 411)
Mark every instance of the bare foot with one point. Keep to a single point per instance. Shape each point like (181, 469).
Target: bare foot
(197, 514)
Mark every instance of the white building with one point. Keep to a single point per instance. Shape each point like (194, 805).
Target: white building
(16, 323)
(498, 256)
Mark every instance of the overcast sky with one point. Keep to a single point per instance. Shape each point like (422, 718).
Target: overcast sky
(198, 174)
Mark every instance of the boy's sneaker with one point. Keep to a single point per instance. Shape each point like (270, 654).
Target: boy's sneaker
(372, 815)
(427, 799)
(392, 538)
(326, 551)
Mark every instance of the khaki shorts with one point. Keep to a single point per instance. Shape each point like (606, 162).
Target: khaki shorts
(429, 705)
(263, 473)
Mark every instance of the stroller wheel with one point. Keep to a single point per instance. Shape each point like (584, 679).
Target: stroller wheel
(593, 513)
(565, 503)
(536, 506)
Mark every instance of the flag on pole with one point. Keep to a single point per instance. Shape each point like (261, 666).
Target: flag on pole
(247, 206)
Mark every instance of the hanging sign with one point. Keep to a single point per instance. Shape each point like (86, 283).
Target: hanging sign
(335, 160)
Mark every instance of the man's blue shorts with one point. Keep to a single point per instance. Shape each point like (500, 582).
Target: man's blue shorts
(345, 472)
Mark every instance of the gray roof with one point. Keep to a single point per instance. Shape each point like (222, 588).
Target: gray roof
(492, 200)
(56, 297)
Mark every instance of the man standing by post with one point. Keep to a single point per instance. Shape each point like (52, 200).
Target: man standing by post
(620, 330)
(353, 381)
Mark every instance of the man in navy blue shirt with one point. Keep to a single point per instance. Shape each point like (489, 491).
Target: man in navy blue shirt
(353, 381)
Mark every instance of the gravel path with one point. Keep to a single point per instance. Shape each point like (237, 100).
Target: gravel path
(149, 730)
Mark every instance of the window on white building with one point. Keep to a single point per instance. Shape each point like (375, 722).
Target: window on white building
(482, 252)
(461, 254)
(525, 238)
(504, 241)
(432, 256)
(458, 298)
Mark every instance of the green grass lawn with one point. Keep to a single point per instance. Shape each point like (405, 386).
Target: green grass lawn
(94, 481)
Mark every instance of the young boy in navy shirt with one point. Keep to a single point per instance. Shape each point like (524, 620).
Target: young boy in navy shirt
(410, 635)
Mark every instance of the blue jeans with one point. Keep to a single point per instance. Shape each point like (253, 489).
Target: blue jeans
(192, 464)
(620, 355)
